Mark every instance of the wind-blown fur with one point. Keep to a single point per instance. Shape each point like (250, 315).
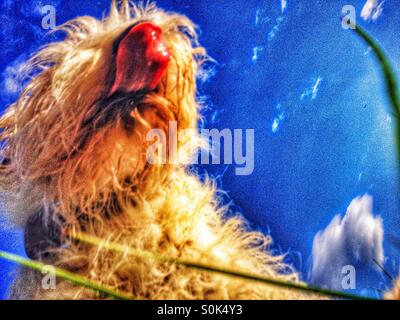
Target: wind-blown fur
(81, 162)
(394, 293)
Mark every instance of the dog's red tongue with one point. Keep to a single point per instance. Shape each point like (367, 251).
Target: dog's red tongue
(142, 59)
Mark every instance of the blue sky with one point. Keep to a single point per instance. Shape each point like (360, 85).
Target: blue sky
(315, 98)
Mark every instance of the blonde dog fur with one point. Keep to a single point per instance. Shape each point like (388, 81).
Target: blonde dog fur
(104, 186)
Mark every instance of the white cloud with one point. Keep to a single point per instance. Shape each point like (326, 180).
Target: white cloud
(372, 10)
(283, 5)
(276, 28)
(256, 53)
(11, 78)
(313, 90)
(357, 238)
(261, 17)
(276, 124)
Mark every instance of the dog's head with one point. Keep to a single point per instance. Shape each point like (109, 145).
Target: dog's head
(77, 135)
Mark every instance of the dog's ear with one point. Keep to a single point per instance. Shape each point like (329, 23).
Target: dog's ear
(142, 58)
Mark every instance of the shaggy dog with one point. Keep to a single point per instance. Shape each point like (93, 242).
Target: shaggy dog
(74, 160)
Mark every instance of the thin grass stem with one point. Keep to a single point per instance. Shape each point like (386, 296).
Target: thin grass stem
(123, 249)
(66, 275)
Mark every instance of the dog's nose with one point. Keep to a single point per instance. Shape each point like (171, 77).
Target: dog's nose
(141, 60)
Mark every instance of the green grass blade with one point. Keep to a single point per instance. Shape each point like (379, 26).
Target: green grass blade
(66, 275)
(204, 267)
(392, 87)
